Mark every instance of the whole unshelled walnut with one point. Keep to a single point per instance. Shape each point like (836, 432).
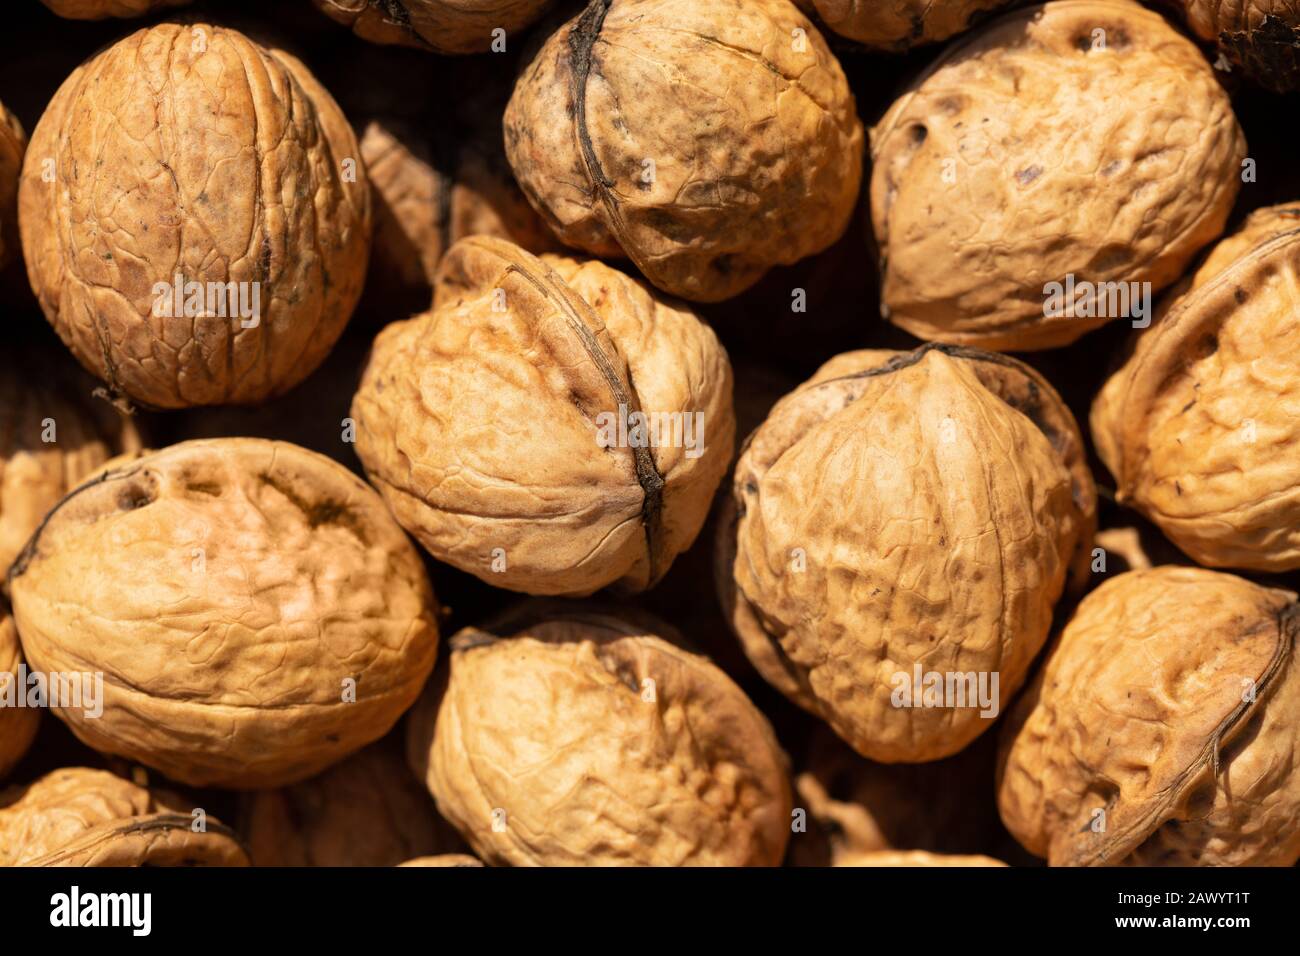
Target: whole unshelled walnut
(552, 426)
(13, 143)
(1162, 729)
(1081, 144)
(443, 26)
(705, 140)
(1200, 426)
(195, 217)
(574, 736)
(18, 723)
(903, 523)
(53, 434)
(255, 612)
(102, 9)
(1261, 37)
(900, 24)
(82, 817)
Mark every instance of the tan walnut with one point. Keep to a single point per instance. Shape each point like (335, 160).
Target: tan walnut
(82, 817)
(569, 735)
(503, 427)
(444, 859)
(102, 9)
(900, 24)
(704, 140)
(195, 217)
(443, 26)
(1200, 425)
(889, 858)
(1081, 138)
(368, 810)
(13, 143)
(53, 434)
(1162, 728)
(1260, 37)
(18, 723)
(903, 516)
(256, 613)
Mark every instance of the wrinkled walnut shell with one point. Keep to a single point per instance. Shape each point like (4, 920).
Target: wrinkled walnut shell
(81, 817)
(1027, 154)
(103, 9)
(706, 141)
(229, 590)
(193, 151)
(13, 143)
(481, 422)
(1200, 426)
(900, 24)
(904, 510)
(573, 736)
(17, 724)
(443, 26)
(914, 858)
(1162, 728)
(1258, 36)
(444, 859)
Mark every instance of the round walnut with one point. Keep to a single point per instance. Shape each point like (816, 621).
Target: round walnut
(552, 426)
(443, 26)
(18, 723)
(1072, 144)
(13, 143)
(255, 611)
(892, 858)
(1201, 424)
(574, 736)
(53, 434)
(1260, 37)
(900, 24)
(195, 217)
(902, 519)
(103, 9)
(368, 810)
(706, 141)
(444, 859)
(81, 817)
(1162, 729)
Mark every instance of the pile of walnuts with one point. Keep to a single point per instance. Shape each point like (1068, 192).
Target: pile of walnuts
(450, 434)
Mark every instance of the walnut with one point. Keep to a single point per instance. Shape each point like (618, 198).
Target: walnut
(901, 517)
(18, 723)
(1161, 730)
(900, 24)
(444, 859)
(568, 735)
(82, 817)
(1199, 426)
(195, 218)
(13, 143)
(704, 140)
(255, 612)
(552, 426)
(1258, 36)
(914, 858)
(1082, 141)
(443, 26)
(102, 9)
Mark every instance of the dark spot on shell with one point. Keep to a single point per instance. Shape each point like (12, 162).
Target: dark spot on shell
(1028, 175)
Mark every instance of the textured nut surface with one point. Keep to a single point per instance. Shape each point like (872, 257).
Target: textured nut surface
(899, 24)
(368, 810)
(228, 590)
(101, 9)
(82, 817)
(481, 422)
(703, 139)
(904, 510)
(1170, 703)
(1200, 427)
(444, 859)
(193, 151)
(1259, 36)
(13, 143)
(444, 26)
(1029, 153)
(53, 434)
(914, 858)
(581, 738)
(17, 724)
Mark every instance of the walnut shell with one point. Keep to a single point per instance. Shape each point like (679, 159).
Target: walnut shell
(575, 736)
(13, 143)
(904, 511)
(900, 24)
(1259, 36)
(235, 593)
(192, 151)
(53, 435)
(443, 26)
(368, 810)
(17, 724)
(915, 858)
(444, 859)
(82, 817)
(706, 141)
(1028, 154)
(102, 9)
(482, 422)
(1200, 425)
(1162, 729)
